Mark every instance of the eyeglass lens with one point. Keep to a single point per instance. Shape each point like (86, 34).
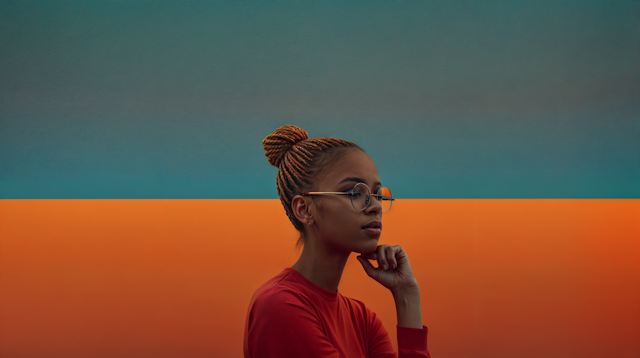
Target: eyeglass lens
(361, 197)
(384, 195)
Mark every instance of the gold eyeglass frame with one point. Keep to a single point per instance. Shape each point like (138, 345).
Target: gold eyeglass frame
(350, 192)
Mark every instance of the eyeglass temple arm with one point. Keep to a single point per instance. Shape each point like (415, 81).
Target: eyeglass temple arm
(341, 193)
(383, 197)
(325, 193)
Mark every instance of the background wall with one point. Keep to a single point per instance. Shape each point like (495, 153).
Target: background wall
(453, 99)
(520, 117)
(173, 278)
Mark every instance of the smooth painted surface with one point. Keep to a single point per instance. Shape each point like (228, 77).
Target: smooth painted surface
(452, 99)
(166, 278)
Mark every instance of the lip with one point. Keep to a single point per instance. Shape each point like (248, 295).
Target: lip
(373, 224)
(374, 228)
(373, 231)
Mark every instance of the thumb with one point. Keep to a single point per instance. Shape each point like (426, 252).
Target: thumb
(367, 266)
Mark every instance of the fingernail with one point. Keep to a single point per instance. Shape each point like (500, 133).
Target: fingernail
(384, 267)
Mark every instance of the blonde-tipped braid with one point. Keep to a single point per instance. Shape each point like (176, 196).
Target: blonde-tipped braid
(298, 160)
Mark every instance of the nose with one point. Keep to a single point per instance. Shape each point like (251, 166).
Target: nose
(374, 207)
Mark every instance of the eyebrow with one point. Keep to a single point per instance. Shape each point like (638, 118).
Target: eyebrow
(357, 180)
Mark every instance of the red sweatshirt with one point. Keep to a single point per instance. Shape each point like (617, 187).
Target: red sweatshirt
(289, 316)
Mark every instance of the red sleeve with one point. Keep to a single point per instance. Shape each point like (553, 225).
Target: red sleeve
(284, 324)
(412, 342)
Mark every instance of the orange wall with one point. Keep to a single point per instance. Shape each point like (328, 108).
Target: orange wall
(169, 278)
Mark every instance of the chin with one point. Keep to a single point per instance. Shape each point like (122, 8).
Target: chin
(367, 249)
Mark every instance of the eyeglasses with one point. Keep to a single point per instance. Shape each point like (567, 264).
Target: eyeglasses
(361, 196)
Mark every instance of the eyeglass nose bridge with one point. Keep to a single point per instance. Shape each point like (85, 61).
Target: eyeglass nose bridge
(371, 203)
(382, 199)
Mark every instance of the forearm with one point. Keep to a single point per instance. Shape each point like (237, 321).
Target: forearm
(408, 308)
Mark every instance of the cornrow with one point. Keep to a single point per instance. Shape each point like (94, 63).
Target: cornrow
(298, 160)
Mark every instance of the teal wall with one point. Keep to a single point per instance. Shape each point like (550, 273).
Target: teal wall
(452, 99)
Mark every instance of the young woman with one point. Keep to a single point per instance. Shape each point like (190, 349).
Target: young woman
(332, 194)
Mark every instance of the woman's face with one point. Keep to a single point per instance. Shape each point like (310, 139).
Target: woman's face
(338, 224)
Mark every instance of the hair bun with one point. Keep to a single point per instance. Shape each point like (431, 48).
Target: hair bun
(278, 143)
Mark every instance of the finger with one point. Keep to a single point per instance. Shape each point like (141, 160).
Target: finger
(391, 256)
(368, 267)
(401, 255)
(382, 257)
(370, 256)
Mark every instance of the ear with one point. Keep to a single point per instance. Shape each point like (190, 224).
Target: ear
(302, 209)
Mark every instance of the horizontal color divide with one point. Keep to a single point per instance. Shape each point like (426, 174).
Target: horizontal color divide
(166, 278)
(261, 185)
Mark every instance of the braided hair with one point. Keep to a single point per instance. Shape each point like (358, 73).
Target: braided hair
(299, 161)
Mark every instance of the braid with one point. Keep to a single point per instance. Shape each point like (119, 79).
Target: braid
(298, 160)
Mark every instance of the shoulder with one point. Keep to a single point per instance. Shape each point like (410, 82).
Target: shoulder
(278, 298)
(279, 309)
(282, 322)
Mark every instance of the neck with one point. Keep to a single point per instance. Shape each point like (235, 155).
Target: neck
(321, 265)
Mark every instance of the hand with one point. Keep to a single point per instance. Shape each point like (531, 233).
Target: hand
(393, 272)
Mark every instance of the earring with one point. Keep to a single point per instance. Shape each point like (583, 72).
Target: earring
(309, 223)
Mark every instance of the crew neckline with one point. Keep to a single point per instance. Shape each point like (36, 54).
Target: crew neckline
(331, 296)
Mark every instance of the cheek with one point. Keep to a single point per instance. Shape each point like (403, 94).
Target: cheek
(338, 220)
(346, 222)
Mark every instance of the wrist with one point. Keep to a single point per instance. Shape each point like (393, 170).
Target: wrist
(408, 308)
(406, 291)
